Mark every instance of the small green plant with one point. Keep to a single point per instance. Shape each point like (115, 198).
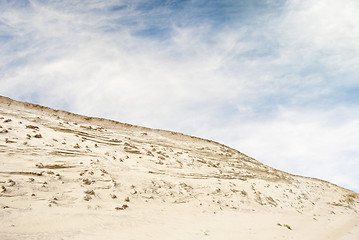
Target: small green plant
(284, 225)
(287, 226)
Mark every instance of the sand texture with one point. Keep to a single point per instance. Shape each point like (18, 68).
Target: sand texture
(66, 176)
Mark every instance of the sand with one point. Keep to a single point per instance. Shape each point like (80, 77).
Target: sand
(66, 176)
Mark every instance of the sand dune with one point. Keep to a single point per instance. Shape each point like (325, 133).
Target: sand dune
(66, 176)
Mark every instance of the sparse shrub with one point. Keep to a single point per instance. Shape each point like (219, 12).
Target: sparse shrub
(90, 192)
(86, 181)
(11, 182)
(32, 127)
(124, 206)
(271, 201)
(39, 165)
(349, 198)
(87, 197)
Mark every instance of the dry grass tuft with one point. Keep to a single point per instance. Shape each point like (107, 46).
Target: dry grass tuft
(32, 127)
(124, 206)
(52, 166)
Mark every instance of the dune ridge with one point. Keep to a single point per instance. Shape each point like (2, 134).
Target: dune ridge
(68, 176)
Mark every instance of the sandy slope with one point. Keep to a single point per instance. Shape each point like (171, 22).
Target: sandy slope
(65, 176)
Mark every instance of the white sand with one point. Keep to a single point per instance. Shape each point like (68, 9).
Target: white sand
(88, 178)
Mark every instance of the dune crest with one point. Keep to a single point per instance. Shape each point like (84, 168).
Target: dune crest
(67, 176)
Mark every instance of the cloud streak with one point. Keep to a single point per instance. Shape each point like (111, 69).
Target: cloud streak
(275, 80)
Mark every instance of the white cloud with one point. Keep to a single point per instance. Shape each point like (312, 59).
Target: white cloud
(321, 33)
(311, 143)
(324, 24)
(265, 90)
(138, 80)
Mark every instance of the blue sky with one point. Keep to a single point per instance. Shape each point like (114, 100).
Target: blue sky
(278, 80)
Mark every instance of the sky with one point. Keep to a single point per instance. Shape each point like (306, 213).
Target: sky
(277, 80)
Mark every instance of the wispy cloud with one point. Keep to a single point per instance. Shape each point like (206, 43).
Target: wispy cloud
(310, 142)
(275, 80)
